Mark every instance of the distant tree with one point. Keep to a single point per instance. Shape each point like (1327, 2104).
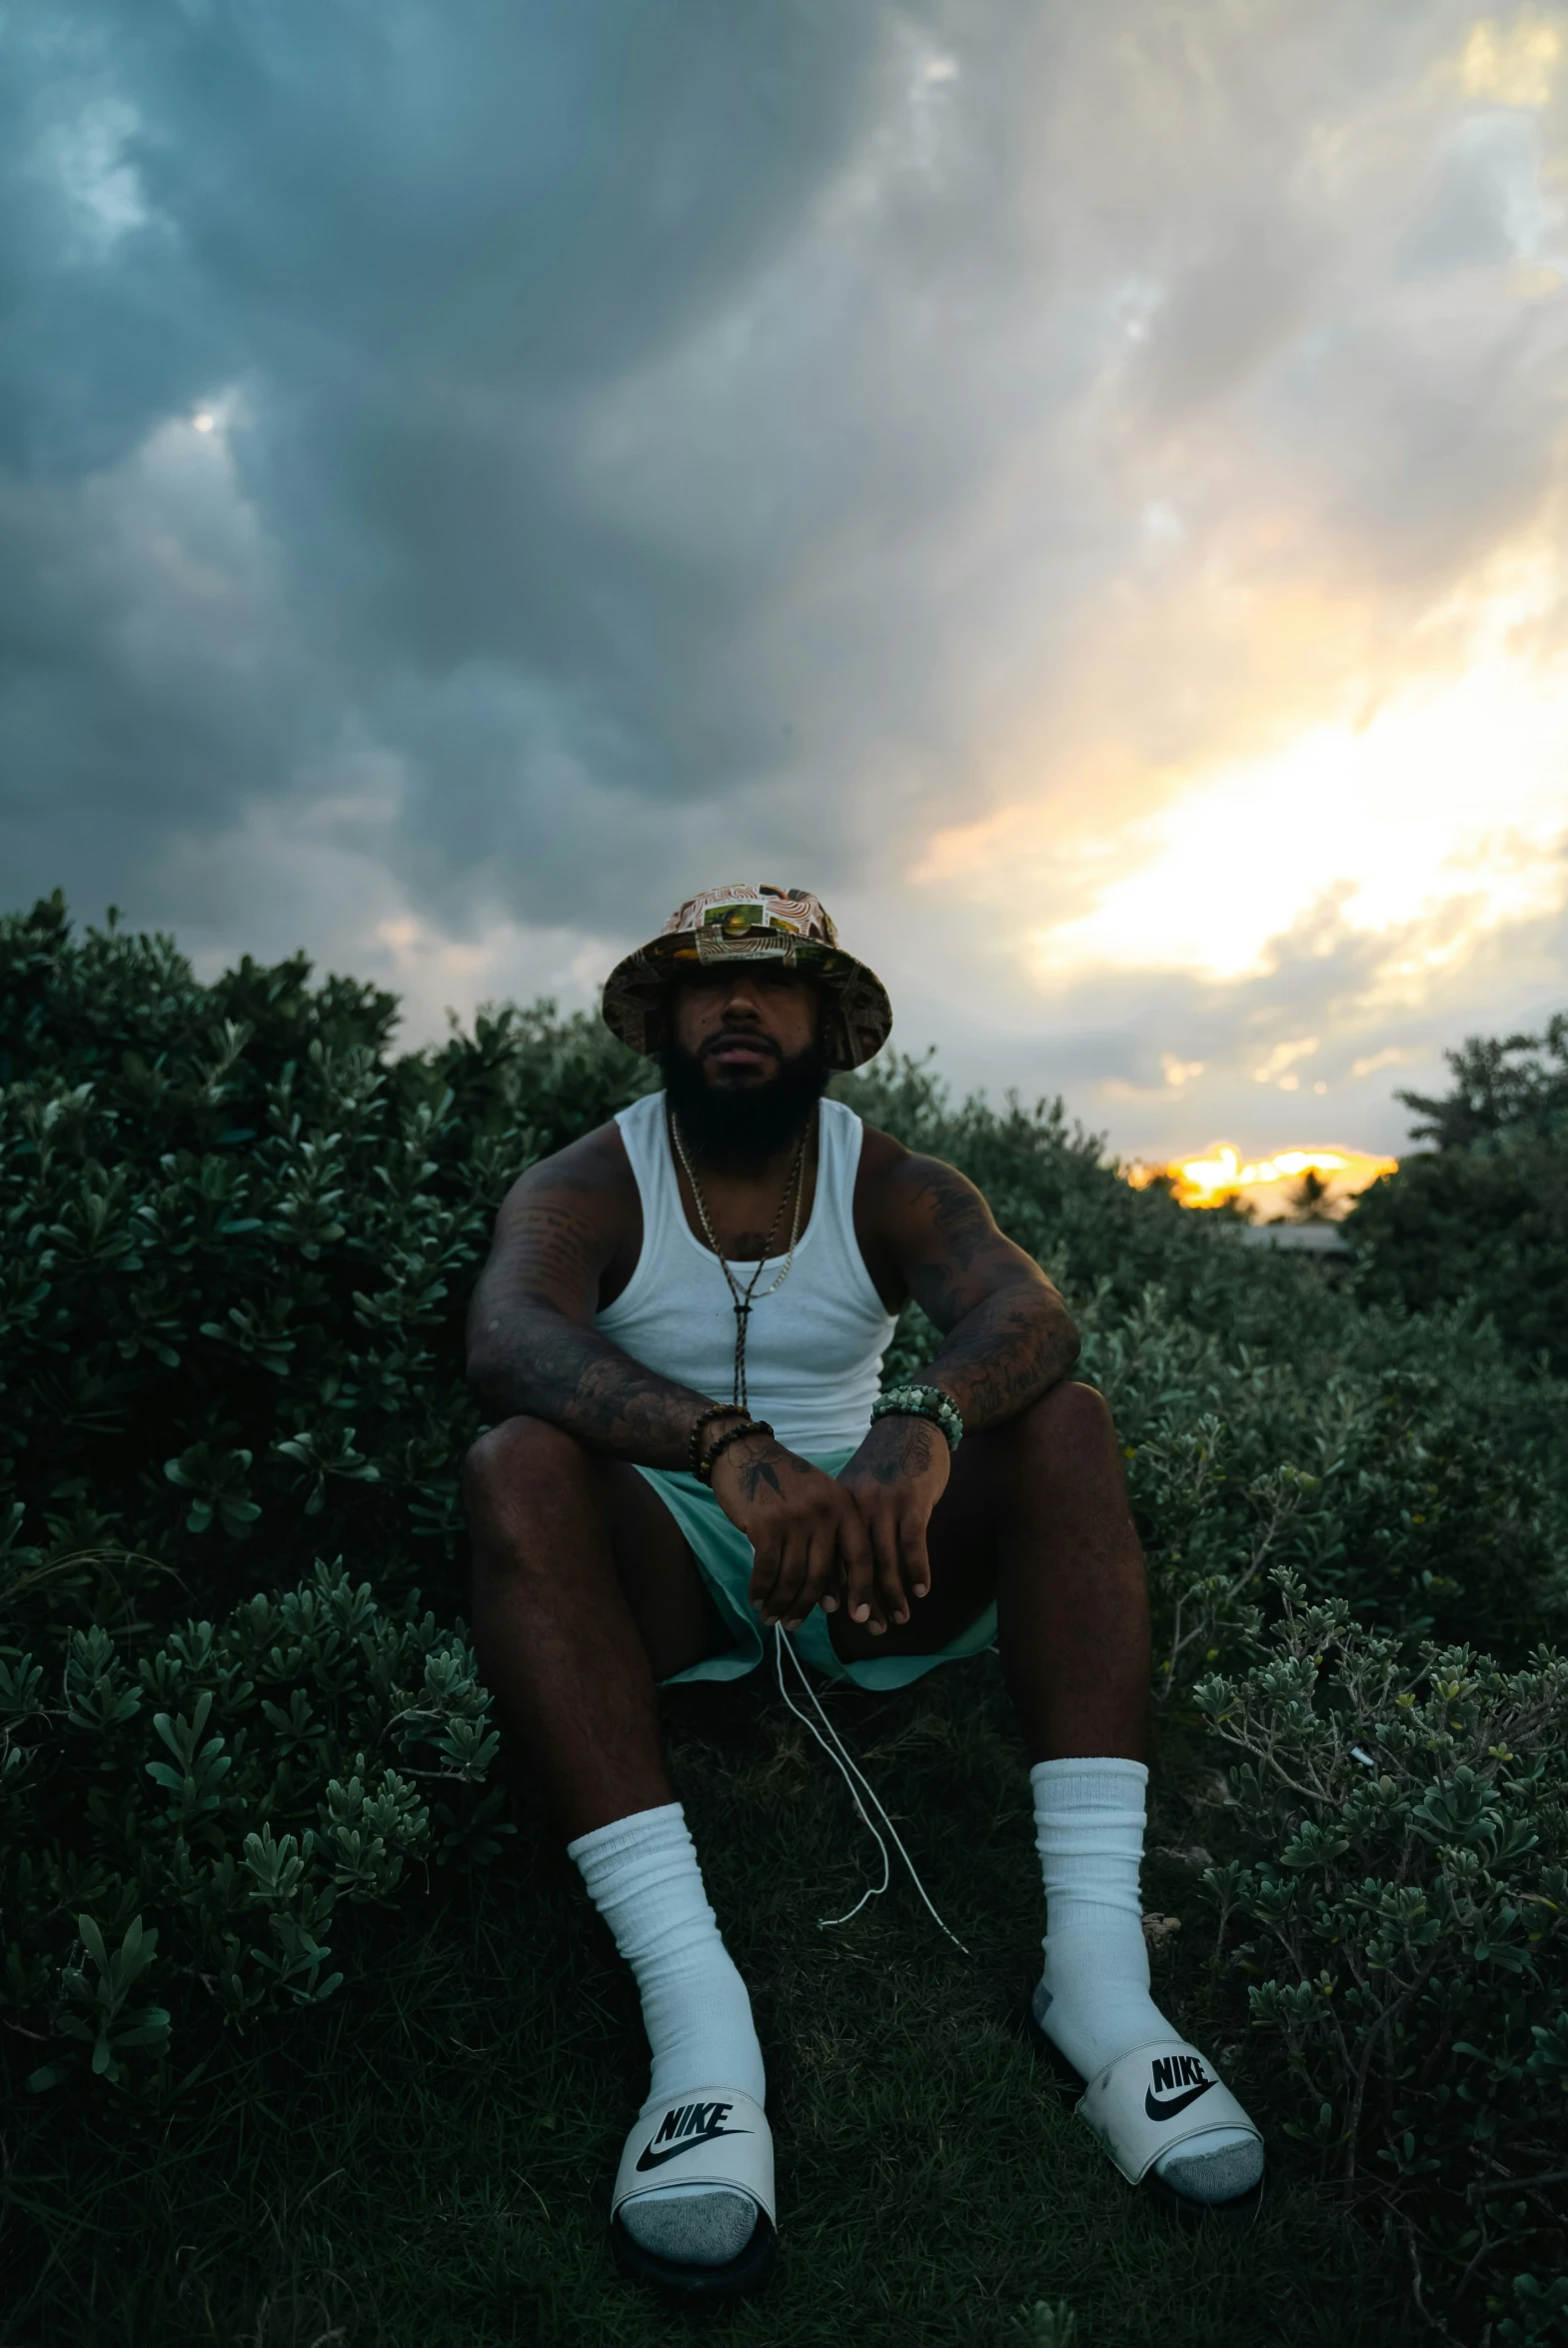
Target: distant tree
(1512, 1084)
(1485, 1214)
(1308, 1201)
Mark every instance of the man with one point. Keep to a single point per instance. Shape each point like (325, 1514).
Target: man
(678, 1334)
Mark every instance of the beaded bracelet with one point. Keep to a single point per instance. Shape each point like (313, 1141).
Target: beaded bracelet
(705, 1419)
(722, 1443)
(923, 1402)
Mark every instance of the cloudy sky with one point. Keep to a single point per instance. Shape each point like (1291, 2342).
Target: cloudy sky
(1081, 487)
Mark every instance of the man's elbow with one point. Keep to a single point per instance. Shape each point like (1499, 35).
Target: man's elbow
(1065, 1342)
(488, 1370)
(481, 1373)
(508, 1361)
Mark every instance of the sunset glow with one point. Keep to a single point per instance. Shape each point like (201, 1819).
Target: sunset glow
(1430, 817)
(1220, 1177)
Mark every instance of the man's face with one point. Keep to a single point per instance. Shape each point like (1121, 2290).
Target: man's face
(743, 1063)
(744, 1021)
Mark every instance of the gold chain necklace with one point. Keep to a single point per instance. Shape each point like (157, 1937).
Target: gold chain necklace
(743, 1298)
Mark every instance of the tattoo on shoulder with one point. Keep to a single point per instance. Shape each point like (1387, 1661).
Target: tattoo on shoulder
(552, 1238)
(959, 1211)
(595, 1162)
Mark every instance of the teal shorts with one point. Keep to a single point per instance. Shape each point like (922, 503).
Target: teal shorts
(724, 1557)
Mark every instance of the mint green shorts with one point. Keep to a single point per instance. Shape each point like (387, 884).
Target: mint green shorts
(724, 1557)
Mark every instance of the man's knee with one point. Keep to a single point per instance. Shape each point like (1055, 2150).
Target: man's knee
(1072, 1417)
(519, 1470)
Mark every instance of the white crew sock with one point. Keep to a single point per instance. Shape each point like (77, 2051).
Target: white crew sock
(1094, 2000)
(642, 1875)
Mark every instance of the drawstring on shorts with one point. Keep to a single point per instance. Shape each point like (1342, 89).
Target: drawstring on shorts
(858, 1783)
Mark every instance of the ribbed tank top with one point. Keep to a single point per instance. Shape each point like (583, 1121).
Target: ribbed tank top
(814, 1350)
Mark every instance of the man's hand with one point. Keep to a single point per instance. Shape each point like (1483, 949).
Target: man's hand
(806, 1530)
(896, 1480)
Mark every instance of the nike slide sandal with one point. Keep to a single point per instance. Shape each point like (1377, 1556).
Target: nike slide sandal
(713, 2136)
(1145, 2104)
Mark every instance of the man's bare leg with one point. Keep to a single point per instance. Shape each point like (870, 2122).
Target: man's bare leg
(586, 1594)
(1036, 1515)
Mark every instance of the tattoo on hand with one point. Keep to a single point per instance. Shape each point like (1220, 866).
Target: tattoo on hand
(907, 1452)
(756, 1472)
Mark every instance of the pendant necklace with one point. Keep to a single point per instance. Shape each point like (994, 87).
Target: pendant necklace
(743, 1298)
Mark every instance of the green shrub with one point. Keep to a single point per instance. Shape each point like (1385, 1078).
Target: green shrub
(1489, 1222)
(1403, 1830)
(238, 1242)
(238, 1784)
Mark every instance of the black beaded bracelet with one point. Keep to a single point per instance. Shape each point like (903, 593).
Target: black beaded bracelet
(722, 1443)
(705, 1419)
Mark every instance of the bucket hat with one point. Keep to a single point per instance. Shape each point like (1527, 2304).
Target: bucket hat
(750, 921)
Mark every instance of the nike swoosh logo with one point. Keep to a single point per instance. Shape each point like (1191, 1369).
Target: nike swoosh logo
(650, 2159)
(1169, 2111)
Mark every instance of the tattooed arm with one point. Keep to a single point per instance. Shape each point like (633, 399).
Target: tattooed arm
(564, 1228)
(926, 1232)
(1009, 1337)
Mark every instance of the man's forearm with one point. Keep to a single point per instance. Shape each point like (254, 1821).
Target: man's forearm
(548, 1366)
(1005, 1354)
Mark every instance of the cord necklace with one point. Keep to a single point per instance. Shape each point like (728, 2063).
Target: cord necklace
(743, 1298)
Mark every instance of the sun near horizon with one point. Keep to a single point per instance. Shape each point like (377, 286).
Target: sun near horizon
(1265, 1187)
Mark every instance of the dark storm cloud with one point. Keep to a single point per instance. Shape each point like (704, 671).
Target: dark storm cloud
(407, 246)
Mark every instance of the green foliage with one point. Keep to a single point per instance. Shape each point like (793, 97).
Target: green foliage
(1401, 1830)
(239, 1781)
(1488, 1221)
(239, 1233)
(1049, 2324)
(1485, 1214)
(105, 2024)
(238, 1240)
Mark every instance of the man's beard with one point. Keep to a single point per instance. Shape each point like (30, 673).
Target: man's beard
(743, 1125)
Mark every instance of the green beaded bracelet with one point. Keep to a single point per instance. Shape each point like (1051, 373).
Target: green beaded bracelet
(923, 1402)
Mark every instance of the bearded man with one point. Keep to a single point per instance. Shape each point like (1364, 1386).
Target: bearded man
(680, 1336)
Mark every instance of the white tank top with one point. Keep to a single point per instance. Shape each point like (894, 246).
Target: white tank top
(813, 1350)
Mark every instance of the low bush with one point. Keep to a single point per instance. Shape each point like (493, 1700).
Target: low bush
(1489, 1220)
(239, 1234)
(1401, 1825)
(236, 1784)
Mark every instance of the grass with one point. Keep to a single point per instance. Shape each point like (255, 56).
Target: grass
(426, 2160)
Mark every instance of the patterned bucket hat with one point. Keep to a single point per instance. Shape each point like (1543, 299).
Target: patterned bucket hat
(750, 921)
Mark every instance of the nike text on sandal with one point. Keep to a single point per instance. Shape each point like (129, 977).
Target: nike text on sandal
(1147, 2103)
(713, 2136)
